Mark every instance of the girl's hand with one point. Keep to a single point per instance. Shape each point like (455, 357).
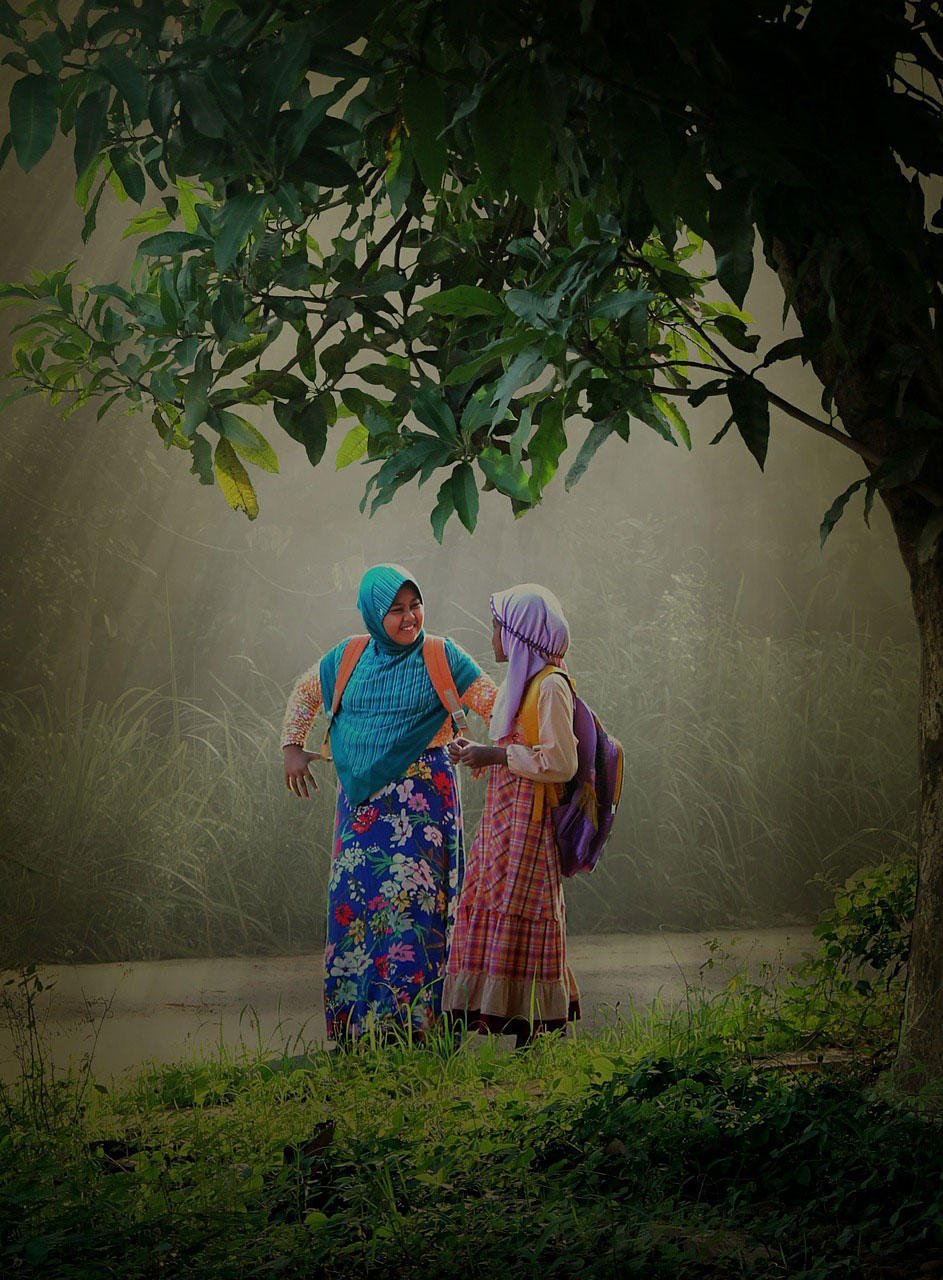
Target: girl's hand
(297, 773)
(476, 756)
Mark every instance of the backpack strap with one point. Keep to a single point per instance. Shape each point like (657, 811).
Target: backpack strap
(545, 793)
(353, 652)
(440, 673)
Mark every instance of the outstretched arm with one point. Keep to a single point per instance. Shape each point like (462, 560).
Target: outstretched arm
(303, 706)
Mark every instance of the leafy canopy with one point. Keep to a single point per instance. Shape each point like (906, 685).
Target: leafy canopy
(474, 224)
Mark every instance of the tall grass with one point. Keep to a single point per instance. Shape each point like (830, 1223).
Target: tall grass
(758, 768)
(153, 827)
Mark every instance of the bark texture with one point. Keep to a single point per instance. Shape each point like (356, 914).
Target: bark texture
(859, 400)
(920, 1053)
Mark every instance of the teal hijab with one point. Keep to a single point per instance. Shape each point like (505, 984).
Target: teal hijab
(389, 710)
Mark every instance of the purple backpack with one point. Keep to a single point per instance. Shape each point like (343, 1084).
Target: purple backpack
(583, 819)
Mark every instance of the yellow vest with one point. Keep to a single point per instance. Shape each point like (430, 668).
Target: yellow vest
(550, 793)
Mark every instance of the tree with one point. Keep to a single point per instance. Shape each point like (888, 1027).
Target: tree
(527, 194)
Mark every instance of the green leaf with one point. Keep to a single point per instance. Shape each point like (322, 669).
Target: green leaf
(340, 62)
(352, 447)
(463, 300)
(126, 78)
(749, 405)
(465, 495)
(200, 105)
(227, 311)
(664, 405)
(834, 513)
(91, 213)
(493, 352)
(713, 387)
(233, 480)
(247, 440)
(598, 433)
(201, 459)
(33, 118)
(534, 308)
(507, 475)
(128, 173)
(785, 351)
(530, 166)
(732, 236)
(307, 423)
(169, 243)
(237, 220)
(91, 128)
(901, 469)
(433, 412)
(334, 359)
(493, 128)
(47, 51)
(445, 505)
(334, 132)
(546, 446)
(524, 368)
(616, 305)
(424, 111)
(322, 166)
(284, 385)
(735, 331)
(149, 220)
(161, 104)
(245, 352)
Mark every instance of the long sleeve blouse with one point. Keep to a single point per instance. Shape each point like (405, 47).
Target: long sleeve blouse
(553, 758)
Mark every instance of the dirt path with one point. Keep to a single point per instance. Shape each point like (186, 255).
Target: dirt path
(169, 1009)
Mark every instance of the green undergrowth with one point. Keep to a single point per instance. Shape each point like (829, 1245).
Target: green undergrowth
(744, 1132)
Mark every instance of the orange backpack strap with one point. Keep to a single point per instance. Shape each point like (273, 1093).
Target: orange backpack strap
(544, 792)
(440, 673)
(353, 652)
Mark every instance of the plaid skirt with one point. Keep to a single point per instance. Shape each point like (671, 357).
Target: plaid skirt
(507, 968)
(395, 872)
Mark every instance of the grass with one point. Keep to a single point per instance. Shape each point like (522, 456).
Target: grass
(678, 1143)
(760, 771)
(166, 832)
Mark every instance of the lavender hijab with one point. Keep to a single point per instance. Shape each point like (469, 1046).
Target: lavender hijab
(534, 633)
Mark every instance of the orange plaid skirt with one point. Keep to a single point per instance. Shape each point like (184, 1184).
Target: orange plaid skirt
(507, 967)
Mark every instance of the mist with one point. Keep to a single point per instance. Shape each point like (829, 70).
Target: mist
(764, 690)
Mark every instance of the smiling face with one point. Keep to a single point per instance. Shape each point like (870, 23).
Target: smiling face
(402, 622)
(496, 645)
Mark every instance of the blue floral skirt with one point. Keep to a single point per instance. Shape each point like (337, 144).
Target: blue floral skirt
(396, 872)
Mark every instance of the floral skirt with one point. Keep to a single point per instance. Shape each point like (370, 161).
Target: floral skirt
(396, 870)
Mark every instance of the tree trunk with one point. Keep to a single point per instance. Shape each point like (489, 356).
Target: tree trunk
(920, 1053)
(920, 1050)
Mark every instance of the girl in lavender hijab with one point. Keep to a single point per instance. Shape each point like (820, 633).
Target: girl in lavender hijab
(507, 969)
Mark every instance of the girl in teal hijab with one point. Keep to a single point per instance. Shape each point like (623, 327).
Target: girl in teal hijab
(398, 859)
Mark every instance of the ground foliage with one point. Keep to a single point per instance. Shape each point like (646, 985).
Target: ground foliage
(523, 192)
(681, 1144)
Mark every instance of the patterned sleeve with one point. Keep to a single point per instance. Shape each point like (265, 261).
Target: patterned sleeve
(480, 695)
(303, 705)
